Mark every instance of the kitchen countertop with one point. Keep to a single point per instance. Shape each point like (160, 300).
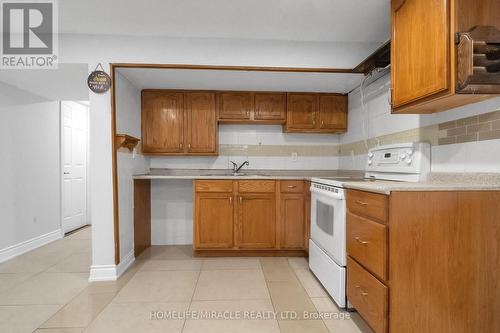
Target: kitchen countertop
(437, 181)
(446, 181)
(245, 174)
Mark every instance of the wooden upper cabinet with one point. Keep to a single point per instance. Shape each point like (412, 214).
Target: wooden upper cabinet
(270, 106)
(301, 112)
(234, 105)
(424, 54)
(256, 221)
(420, 64)
(316, 113)
(162, 122)
(333, 112)
(213, 221)
(201, 122)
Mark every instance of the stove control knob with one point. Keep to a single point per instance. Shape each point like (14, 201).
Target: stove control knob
(409, 152)
(370, 155)
(408, 161)
(370, 162)
(402, 156)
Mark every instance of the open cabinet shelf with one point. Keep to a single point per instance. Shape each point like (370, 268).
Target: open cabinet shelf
(126, 141)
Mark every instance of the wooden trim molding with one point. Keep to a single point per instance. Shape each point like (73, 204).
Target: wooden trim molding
(116, 224)
(239, 68)
(114, 66)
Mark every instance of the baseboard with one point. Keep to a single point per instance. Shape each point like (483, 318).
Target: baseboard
(29, 245)
(125, 263)
(111, 272)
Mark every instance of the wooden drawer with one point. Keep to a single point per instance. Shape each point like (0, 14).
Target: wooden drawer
(368, 295)
(214, 186)
(368, 204)
(292, 186)
(258, 186)
(367, 243)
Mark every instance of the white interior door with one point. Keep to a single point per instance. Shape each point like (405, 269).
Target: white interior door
(74, 165)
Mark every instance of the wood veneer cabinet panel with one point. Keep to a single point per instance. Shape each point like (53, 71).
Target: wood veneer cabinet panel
(367, 243)
(424, 53)
(256, 221)
(333, 112)
(142, 215)
(270, 106)
(369, 296)
(292, 220)
(371, 205)
(444, 250)
(420, 49)
(301, 111)
(235, 105)
(201, 123)
(213, 221)
(162, 122)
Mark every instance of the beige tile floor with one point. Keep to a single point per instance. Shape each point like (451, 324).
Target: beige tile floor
(46, 291)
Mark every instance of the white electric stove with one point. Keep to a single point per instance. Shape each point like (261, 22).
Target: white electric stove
(327, 246)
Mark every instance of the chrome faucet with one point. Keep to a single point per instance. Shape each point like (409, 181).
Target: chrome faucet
(237, 168)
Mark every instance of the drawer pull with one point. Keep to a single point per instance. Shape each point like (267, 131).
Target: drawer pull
(364, 293)
(361, 203)
(360, 240)
(230, 200)
(291, 186)
(241, 200)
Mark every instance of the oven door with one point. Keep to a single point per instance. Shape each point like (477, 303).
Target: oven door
(328, 223)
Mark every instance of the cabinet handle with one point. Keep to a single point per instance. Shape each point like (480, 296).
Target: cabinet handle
(189, 146)
(291, 186)
(360, 241)
(231, 200)
(241, 200)
(180, 145)
(361, 291)
(361, 203)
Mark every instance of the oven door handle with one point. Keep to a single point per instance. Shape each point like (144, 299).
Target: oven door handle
(332, 195)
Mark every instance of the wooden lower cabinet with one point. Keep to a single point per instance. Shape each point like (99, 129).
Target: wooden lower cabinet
(442, 261)
(256, 221)
(292, 220)
(214, 221)
(250, 215)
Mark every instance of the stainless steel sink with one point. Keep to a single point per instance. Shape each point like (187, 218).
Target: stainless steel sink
(239, 174)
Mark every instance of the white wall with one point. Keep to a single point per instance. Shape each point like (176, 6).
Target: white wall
(29, 172)
(258, 135)
(479, 156)
(112, 49)
(128, 121)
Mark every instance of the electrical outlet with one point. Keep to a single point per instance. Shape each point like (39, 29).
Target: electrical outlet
(295, 157)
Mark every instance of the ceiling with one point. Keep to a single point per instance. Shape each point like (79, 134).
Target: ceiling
(144, 78)
(67, 82)
(292, 20)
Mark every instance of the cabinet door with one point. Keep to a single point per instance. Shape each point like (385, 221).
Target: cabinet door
(420, 56)
(235, 105)
(256, 221)
(292, 220)
(162, 122)
(201, 122)
(332, 112)
(213, 221)
(270, 106)
(301, 111)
